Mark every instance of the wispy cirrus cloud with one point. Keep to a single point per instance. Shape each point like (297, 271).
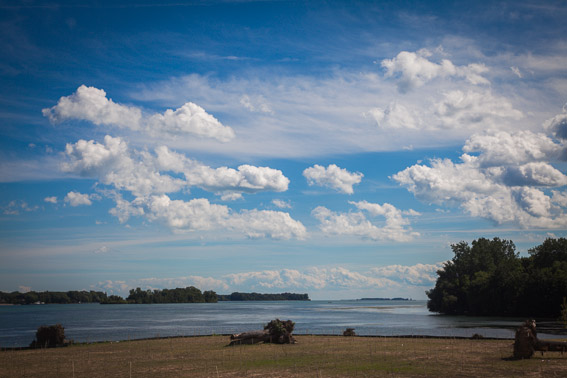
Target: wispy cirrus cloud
(351, 112)
(16, 207)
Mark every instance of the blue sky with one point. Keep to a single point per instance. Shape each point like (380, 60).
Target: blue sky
(323, 147)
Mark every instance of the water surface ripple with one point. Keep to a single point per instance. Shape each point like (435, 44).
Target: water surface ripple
(94, 322)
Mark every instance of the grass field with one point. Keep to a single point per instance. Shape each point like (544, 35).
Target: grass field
(312, 356)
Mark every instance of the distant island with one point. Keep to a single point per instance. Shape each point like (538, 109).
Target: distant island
(386, 299)
(58, 297)
(264, 297)
(138, 296)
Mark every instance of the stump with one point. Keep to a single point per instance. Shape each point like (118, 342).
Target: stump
(526, 342)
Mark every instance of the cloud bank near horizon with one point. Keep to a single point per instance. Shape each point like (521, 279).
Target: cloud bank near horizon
(399, 278)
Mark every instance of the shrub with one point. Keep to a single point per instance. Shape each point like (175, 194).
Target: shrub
(49, 336)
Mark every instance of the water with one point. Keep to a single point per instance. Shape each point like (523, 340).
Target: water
(94, 322)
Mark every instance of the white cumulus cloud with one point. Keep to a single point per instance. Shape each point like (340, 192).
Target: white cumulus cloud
(91, 104)
(414, 69)
(394, 226)
(246, 178)
(506, 182)
(143, 173)
(200, 215)
(466, 109)
(189, 119)
(114, 164)
(267, 223)
(503, 148)
(78, 199)
(150, 177)
(333, 177)
(558, 124)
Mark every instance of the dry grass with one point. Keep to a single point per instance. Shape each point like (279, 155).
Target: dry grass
(312, 356)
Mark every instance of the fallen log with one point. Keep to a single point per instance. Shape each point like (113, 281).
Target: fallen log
(252, 337)
(551, 346)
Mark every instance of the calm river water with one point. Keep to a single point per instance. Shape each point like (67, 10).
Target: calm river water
(94, 322)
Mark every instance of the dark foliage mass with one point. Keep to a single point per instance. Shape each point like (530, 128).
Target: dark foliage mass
(180, 295)
(138, 296)
(489, 278)
(49, 337)
(58, 297)
(236, 296)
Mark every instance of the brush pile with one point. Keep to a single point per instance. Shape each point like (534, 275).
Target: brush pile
(276, 332)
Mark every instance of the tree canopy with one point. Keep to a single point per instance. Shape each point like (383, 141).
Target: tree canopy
(58, 297)
(179, 295)
(489, 277)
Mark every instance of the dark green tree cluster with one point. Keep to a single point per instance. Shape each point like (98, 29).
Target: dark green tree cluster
(489, 278)
(114, 299)
(49, 337)
(180, 295)
(236, 296)
(58, 297)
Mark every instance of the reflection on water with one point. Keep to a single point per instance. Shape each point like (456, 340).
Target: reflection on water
(93, 322)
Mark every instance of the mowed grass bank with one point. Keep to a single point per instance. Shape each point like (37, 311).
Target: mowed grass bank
(312, 356)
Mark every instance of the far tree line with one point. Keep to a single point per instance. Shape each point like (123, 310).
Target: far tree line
(236, 296)
(189, 294)
(489, 277)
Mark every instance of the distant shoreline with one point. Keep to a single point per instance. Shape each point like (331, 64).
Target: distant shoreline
(387, 299)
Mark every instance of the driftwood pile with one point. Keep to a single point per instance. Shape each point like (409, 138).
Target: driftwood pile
(276, 332)
(527, 343)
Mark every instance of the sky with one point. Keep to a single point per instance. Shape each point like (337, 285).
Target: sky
(332, 148)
